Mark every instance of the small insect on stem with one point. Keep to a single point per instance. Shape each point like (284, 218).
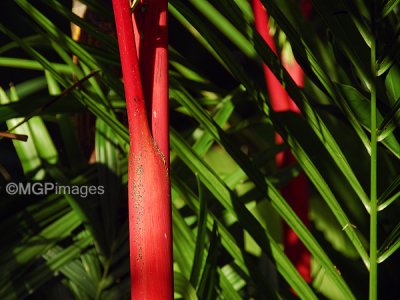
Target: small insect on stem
(347, 225)
(133, 4)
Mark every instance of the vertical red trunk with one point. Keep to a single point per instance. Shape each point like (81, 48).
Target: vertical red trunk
(296, 192)
(297, 195)
(279, 98)
(150, 20)
(148, 178)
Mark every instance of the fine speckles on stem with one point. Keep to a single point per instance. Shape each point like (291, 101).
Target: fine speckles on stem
(149, 186)
(138, 191)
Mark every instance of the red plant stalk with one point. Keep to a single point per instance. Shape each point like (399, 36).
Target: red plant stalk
(279, 97)
(148, 179)
(296, 191)
(150, 22)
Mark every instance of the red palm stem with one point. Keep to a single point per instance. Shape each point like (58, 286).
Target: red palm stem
(296, 191)
(150, 20)
(148, 178)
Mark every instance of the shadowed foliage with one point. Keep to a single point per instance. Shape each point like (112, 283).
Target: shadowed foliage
(227, 210)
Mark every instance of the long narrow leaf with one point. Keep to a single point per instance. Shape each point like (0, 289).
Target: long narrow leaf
(277, 200)
(216, 186)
